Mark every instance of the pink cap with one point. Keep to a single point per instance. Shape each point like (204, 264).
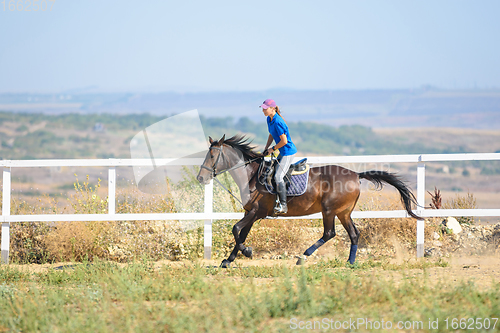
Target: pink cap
(268, 103)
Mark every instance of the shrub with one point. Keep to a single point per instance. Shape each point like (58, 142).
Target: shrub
(86, 200)
(78, 241)
(462, 202)
(27, 242)
(22, 128)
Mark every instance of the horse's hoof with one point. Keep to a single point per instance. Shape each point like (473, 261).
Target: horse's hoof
(302, 260)
(247, 252)
(225, 263)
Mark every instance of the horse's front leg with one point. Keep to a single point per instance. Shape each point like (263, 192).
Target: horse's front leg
(240, 232)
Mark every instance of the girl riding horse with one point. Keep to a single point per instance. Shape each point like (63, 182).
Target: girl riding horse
(331, 190)
(278, 130)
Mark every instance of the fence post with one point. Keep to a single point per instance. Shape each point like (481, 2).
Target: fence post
(420, 208)
(6, 212)
(111, 190)
(207, 227)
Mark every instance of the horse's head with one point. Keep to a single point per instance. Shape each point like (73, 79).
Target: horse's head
(213, 161)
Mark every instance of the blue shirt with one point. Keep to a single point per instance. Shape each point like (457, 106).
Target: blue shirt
(276, 128)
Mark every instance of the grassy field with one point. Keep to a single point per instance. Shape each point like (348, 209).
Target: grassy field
(144, 296)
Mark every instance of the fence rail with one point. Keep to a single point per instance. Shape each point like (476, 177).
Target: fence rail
(208, 215)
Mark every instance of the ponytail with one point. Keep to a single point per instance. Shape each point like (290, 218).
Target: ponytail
(278, 111)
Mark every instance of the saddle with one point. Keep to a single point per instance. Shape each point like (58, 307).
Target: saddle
(295, 179)
(299, 167)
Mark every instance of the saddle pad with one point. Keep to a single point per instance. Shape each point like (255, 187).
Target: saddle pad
(298, 185)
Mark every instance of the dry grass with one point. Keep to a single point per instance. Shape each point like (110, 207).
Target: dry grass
(38, 242)
(389, 234)
(462, 202)
(77, 241)
(28, 242)
(276, 236)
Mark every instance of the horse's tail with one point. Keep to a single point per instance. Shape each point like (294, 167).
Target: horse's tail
(380, 177)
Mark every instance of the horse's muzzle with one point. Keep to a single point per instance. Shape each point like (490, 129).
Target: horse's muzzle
(202, 180)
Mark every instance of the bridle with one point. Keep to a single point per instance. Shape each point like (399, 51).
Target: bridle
(213, 170)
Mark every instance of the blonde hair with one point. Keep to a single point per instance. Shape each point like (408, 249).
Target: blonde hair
(278, 111)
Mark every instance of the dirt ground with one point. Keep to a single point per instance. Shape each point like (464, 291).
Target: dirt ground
(484, 271)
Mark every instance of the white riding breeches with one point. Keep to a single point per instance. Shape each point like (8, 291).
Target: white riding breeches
(283, 167)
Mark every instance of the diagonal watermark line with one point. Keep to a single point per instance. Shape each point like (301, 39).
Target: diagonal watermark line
(149, 148)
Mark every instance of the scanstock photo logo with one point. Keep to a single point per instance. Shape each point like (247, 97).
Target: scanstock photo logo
(168, 147)
(165, 145)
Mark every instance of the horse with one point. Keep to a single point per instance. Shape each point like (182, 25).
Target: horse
(332, 190)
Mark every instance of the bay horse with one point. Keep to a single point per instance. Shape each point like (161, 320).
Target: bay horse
(331, 190)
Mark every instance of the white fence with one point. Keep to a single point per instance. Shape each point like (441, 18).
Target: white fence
(208, 215)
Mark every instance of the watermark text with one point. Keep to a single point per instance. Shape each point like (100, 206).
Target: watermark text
(26, 5)
(381, 324)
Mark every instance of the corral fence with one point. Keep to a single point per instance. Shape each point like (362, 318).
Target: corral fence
(208, 215)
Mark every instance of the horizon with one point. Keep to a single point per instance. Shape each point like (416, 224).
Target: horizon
(423, 107)
(96, 90)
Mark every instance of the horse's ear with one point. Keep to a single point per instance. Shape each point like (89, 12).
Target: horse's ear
(223, 138)
(210, 140)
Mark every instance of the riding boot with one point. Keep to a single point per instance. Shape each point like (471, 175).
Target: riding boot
(281, 207)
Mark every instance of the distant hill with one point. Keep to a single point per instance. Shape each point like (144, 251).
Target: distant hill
(426, 107)
(73, 135)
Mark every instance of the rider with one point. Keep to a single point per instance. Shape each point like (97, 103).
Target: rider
(278, 130)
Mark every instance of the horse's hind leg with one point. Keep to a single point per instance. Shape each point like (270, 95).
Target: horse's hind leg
(345, 218)
(328, 233)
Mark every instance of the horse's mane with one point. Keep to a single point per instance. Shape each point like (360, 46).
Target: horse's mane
(241, 143)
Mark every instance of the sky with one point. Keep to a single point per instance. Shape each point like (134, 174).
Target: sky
(206, 46)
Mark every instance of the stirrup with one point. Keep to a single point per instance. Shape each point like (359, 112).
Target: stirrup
(280, 208)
